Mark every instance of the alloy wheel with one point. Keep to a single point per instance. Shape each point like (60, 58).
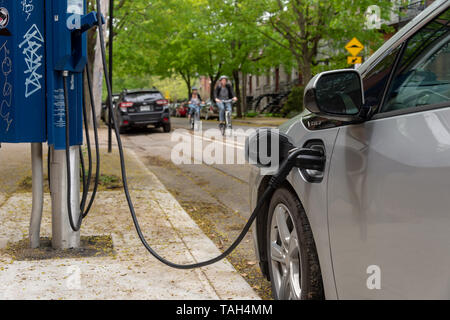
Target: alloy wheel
(285, 255)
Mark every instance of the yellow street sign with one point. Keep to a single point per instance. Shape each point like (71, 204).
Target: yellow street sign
(354, 47)
(354, 60)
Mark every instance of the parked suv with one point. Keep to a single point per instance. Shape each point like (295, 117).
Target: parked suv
(142, 108)
(374, 223)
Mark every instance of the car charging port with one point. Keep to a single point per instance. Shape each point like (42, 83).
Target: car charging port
(312, 163)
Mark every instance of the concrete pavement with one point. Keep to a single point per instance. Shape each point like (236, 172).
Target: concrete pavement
(128, 272)
(214, 195)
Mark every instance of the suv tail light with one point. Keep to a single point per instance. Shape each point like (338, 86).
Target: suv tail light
(162, 102)
(125, 105)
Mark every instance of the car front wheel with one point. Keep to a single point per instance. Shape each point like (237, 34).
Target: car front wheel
(293, 262)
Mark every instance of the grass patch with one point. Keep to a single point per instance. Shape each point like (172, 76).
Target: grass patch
(110, 182)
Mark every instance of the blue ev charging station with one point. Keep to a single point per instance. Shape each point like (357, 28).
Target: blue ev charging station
(43, 46)
(43, 56)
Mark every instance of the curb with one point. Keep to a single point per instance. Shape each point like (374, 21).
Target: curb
(222, 274)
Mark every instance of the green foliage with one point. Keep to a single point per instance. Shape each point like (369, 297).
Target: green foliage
(172, 88)
(316, 31)
(251, 114)
(183, 39)
(294, 103)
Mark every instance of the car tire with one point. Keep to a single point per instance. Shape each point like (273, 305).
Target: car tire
(294, 267)
(167, 128)
(123, 130)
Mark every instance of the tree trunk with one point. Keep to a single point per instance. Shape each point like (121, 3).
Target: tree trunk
(238, 93)
(92, 40)
(214, 79)
(97, 67)
(189, 85)
(244, 93)
(212, 87)
(306, 72)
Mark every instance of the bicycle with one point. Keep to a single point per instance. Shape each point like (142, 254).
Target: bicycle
(227, 125)
(194, 121)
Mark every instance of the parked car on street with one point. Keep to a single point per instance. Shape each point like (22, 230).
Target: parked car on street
(173, 109)
(210, 111)
(375, 222)
(141, 108)
(183, 110)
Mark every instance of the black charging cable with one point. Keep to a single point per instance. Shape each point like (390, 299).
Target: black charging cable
(84, 211)
(86, 180)
(75, 226)
(96, 141)
(274, 183)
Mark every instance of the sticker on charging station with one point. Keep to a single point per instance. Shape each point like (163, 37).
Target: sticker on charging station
(75, 6)
(4, 17)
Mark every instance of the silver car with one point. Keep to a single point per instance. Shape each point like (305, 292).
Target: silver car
(375, 223)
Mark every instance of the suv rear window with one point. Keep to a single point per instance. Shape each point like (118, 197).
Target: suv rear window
(143, 96)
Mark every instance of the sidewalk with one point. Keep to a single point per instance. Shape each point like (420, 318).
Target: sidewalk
(127, 272)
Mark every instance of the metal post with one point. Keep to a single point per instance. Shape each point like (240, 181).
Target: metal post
(63, 235)
(38, 194)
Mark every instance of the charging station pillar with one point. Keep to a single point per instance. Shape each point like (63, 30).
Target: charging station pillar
(63, 235)
(37, 165)
(43, 43)
(67, 55)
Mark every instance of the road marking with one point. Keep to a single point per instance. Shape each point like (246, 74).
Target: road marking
(236, 145)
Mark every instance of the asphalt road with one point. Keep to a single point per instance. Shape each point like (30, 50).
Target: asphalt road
(215, 195)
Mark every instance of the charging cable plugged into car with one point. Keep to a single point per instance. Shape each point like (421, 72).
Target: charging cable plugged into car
(289, 158)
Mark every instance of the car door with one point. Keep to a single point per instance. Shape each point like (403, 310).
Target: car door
(389, 183)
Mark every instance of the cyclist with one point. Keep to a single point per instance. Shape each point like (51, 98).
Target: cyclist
(224, 94)
(195, 100)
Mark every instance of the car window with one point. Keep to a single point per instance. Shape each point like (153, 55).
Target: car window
(423, 75)
(144, 96)
(376, 80)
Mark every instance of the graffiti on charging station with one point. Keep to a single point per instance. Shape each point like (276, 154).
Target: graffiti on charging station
(27, 8)
(33, 54)
(6, 69)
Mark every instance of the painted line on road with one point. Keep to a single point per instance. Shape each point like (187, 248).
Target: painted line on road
(235, 145)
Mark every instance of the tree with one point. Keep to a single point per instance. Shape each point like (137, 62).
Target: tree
(95, 60)
(313, 28)
(201, 37)
(244, 49)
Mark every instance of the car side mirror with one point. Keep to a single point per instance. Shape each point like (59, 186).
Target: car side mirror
(337, 95)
